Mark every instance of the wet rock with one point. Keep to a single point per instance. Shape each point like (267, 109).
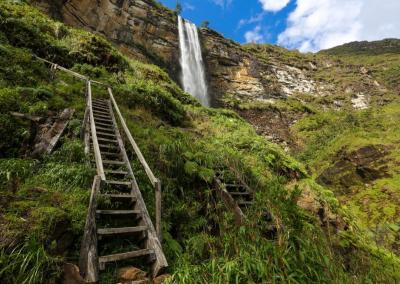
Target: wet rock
(358, 167)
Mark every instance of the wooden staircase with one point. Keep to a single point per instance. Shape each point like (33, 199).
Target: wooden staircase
(236, 195)
(118, 226)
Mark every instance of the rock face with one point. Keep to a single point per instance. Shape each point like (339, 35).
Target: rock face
(142, 28)
(358, 167)
(146, 30)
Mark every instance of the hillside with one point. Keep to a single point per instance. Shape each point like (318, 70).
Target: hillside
(321, 166)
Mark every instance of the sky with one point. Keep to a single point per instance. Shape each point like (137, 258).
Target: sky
(306, 25)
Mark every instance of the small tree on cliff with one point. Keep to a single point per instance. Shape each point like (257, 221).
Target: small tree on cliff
(205, 24)
(178, 8)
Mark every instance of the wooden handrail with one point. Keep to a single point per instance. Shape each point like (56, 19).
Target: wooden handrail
(135, 147)
(96, 147)
(154, 181)
(88, 259)
(75, 74)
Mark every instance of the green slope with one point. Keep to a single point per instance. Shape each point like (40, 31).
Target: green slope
(43, 199)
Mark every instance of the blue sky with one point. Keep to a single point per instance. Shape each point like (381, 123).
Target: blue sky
(233, 19)
(307, 25)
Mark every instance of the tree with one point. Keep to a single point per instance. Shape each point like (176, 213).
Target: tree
(178, 8)
(205, 24)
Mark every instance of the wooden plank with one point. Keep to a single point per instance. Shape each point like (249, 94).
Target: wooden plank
(118, 196)
(117, 182)
(125, 255)
(111, 130)
(88, 259)
(99, 133)
(107, 126)
(235, 193)
(117, 212)
(104, 120)
(110, 162)
(122, 230)
(50, 138)
(96, 147)
(106, 140)
(59, 127)
(100, 116)
(243, 202)
(116, 172)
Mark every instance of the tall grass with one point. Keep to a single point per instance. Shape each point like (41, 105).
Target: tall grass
(28, 264)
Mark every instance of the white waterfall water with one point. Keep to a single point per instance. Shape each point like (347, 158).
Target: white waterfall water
(193, 75)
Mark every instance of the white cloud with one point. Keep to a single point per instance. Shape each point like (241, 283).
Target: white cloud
(254, 36)
(188, 7)
(258, 18)
(223, 3)
(275, 5)
(322, 24)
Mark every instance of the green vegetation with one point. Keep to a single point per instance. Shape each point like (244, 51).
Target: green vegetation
(44, 200)
(328, 135)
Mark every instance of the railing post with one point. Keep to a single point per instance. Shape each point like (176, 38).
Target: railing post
(158, 209)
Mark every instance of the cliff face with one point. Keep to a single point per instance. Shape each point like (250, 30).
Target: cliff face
(148, 31)
(142, 28)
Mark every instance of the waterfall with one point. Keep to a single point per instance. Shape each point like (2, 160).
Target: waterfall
(193, 75)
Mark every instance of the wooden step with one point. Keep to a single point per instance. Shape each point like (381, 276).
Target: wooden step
(103, 102)
(108, 120)
(246, 203)
(234, 185)
(106, 125)
(116, 172)
(122, 256)
(121, 230)
(100, 133)
(118, 196)
(100, 111)
(108, 129)
(97, 115)
(100, 106)
(117, 212)
(117, 182)
(238, 193)
(107, 140)
(111, 162)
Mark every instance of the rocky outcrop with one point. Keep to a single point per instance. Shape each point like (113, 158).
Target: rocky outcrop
(358, 167)
(142, 28)
(148, 31)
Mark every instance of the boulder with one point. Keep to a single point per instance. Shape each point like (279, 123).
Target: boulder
(161, 279)
(130, 273)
